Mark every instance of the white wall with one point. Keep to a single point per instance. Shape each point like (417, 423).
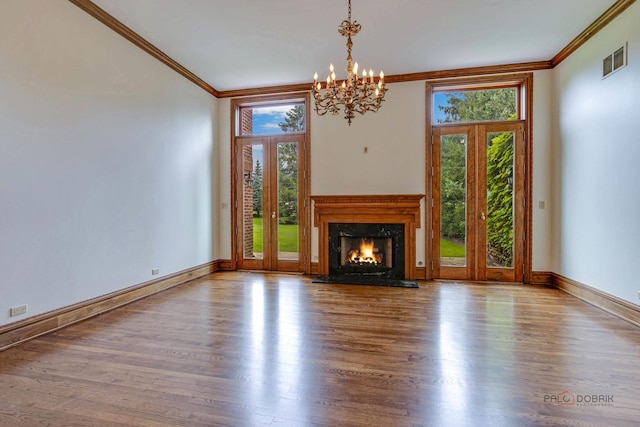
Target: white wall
(395, 163)
(105, 161)
(224, 175)
(596, 151)
(542, 195)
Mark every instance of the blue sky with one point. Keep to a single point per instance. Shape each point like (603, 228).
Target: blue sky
(266, 119)
(439, 98)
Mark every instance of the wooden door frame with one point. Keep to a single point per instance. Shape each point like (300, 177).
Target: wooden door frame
(524, 81)
(455, 273)
(304, 212)
(497, 273)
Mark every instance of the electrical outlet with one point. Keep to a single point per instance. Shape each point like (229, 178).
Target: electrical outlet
(18, 310)
(155, 271)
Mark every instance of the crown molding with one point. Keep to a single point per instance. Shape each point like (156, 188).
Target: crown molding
(269, 90)
(597, 25)
(472, 71)
(126, 32)
(609, 15)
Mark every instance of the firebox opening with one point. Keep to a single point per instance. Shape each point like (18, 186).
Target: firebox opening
(363, 251)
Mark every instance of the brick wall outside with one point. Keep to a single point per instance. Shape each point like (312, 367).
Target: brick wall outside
(246, 128)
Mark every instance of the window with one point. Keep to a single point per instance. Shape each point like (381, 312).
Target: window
(271, 119)
(477, 105)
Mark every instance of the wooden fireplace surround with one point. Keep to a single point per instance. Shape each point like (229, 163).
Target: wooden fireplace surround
(371, 209)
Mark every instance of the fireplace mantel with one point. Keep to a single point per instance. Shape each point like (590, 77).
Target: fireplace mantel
(368, 209)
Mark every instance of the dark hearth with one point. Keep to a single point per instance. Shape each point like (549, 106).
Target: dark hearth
(366, 280)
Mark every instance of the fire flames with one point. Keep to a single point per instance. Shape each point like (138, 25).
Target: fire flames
(366, 254)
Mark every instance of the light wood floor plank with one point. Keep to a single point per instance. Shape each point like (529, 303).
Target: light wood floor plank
(252, 349)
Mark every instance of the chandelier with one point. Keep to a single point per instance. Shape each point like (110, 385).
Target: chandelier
(355, 94)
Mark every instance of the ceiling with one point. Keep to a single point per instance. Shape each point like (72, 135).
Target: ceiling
(240, 44)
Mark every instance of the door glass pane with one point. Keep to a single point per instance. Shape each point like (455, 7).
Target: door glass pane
(288, 201)
(252, 197)
(453, 200)
(500, 192)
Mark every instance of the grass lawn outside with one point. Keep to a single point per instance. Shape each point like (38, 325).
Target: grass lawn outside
(448, 249)
(287, 236)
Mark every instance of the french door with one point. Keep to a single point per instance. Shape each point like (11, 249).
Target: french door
(270, 202)
(478, 201)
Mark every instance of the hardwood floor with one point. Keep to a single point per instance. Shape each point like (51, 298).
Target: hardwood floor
(250, 349)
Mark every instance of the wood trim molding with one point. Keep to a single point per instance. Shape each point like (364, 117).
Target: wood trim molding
(604, 301)
(269, 90)
(32, 327)
(126, 32)
(595, 27)
(314, 269)
(223, 265)
(541, 278)
(385, 209)
(466, 72)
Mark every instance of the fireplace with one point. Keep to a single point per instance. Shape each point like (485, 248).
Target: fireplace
(371, 249)
(348, 224)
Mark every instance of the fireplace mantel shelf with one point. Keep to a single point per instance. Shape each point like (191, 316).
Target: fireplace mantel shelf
(366, 209)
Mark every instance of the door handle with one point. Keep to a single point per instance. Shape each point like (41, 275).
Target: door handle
(273, 215)
(482, 216)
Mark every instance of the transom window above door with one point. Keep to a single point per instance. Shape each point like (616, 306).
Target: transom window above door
(476, 105)
(271, 119)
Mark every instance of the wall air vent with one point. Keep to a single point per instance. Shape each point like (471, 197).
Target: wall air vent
(614, 61)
